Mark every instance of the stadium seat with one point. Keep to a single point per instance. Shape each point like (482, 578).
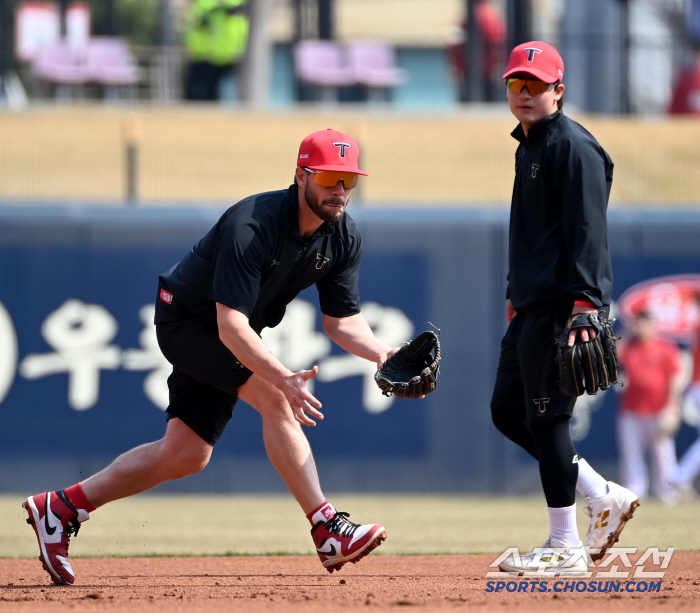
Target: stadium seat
(111, 63)
(105, 60)
(373, 64)
(60, 63)
(322, 63)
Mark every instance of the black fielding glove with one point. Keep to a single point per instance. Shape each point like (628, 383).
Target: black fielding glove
(589, 365)
(413, 370)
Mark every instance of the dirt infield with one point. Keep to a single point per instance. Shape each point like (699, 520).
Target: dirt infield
(298, 583)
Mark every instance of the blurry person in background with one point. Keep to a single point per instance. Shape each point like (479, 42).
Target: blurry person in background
(686, 90)
(689, 465)
(649, 410)
(686, 93)
(493, 30)
(215, 41)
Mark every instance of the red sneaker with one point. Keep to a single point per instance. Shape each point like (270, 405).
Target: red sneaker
(339, 541)
(54, 520)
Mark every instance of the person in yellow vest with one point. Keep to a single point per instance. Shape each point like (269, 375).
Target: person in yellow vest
(215, 41)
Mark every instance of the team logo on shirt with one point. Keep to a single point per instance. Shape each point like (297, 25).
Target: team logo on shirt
(343, 147)
(541, 404)
(166, 297)
(320, 260)
(535, 168)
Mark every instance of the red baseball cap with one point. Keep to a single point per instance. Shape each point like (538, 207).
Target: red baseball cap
(329, 150)
(538, 59)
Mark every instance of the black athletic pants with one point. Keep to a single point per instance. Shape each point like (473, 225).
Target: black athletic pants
(527, 406)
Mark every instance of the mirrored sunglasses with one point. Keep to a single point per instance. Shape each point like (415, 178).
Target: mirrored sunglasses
(534, 86)
(330, 178)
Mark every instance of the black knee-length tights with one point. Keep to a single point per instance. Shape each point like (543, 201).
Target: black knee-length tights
(549, 442)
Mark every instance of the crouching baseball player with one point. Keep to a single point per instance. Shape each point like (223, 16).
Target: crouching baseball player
(211, 308)
(559, 286)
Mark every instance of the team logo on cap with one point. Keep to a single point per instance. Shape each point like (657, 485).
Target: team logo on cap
(531, 51)
(342, 147)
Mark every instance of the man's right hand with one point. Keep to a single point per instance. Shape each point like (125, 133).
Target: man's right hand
(585, 334)
(300, 399)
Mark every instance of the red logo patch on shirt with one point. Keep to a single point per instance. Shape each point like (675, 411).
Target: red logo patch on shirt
(166, 296)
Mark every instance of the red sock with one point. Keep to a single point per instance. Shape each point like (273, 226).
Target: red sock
(321, 514)
(77, 497)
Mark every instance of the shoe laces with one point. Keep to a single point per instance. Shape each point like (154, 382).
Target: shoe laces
(72, 527)
(543, 557)
(340, 525)
(559, 550)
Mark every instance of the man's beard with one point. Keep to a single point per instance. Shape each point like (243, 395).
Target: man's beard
(316, 205)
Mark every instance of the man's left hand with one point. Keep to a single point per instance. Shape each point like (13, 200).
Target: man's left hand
(383, 357)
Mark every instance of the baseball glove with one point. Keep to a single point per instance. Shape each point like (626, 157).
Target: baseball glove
(588, 365)
(413, 370)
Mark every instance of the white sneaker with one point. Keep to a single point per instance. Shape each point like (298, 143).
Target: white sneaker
(553, 558)
(609, 514)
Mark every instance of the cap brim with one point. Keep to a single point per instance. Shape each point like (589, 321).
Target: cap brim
(538, 74)
(337, 168)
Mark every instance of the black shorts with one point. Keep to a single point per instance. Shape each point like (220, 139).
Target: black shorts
(528, 372)
(206, 376)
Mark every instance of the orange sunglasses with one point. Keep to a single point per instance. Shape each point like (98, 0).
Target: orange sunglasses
(534, 86)
(330, 178)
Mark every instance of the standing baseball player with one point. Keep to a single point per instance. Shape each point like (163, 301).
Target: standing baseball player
(689, 465)
(649, 412)
(559, 265)
(210, 310)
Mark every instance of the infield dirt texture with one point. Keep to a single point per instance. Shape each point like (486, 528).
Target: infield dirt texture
(297, 583)
(436, 558)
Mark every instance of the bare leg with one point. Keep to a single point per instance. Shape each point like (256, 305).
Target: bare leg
(179, 453)
(285, 442)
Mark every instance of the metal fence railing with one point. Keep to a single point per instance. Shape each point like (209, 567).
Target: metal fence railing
(214, 154)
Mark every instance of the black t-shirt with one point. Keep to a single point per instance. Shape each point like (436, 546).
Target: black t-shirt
(558, 219)
(255, 261)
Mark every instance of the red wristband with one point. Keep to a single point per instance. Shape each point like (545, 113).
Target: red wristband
(584, 303)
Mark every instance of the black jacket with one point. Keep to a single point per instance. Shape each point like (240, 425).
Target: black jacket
(558, 226)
